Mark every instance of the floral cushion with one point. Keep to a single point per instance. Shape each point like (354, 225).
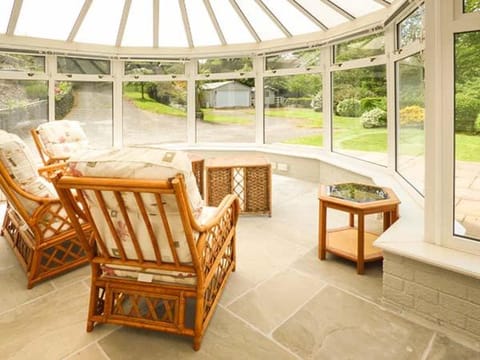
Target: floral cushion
(62, 138)
(18, 160)
(140, 163)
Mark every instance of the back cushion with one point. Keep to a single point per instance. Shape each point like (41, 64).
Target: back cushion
(61, 138)
(18, 160)
(139, 163)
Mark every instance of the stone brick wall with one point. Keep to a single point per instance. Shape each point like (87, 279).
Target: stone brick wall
(444, 297)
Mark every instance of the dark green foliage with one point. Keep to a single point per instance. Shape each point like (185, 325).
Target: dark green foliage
(467, 109)
(349, 107)
(370, 103)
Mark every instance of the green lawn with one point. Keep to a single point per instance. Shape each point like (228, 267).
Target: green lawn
(349, 133)
(240, 117)
(153, 106)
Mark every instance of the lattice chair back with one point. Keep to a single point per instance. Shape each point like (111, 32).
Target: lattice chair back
(159, 254)
(57, 140)
(36, 223)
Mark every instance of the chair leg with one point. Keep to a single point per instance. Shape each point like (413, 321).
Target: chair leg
(197, 342)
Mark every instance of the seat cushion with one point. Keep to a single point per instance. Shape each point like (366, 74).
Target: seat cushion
(18, 160)
(62, 138)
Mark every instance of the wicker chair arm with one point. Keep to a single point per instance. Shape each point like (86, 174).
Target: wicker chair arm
(229, 201)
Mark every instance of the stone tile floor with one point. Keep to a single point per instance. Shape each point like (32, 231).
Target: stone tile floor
(281, 303)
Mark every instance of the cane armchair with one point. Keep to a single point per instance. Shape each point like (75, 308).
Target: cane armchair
(35, 224)
(57, 140)
(160, 259)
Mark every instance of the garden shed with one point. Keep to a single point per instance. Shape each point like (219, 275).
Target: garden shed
(226, 94)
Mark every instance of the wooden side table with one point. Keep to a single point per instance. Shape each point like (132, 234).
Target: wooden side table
(249, 177)
(350, 242)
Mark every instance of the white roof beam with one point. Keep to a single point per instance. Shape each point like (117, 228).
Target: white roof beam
(383, 2)
(338, 9)
(78, 22)
(308, 14)
(12, 23)
(123, 22)
(215, 21)
(186, 24)
(245, 21)
(272, 16)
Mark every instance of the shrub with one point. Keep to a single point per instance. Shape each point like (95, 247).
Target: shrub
(317, 102)
(370, 103)
(374, 118)
(466, 112)
(412, 116)
(349, 107)
(63, 99)
(36, 91)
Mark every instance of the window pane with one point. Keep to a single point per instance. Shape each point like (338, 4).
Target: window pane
(233, 28)
(20, 62)
(410, 121)
(139, 27)
(225, 111)
(91, 104)
(154, 112)
(23, 106)
(293, 59)
(212, 66)
(154, 68)
(411, 29)
(366, 46)
(467, 135)
(293, 109)
(359, 113)
(471, 6)
(68, 65)
(5, 11)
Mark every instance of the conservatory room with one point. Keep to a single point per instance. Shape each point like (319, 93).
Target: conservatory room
(241, 179)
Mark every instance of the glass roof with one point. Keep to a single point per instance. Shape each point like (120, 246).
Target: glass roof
(177, 23)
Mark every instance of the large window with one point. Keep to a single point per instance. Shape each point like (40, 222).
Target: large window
(225, 111)
(467, 134)
(294, 109)
(23, 106)
(410, 120)
(154, 112)
(359, 113)
(91, 104)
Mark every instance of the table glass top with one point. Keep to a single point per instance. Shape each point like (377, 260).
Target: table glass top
(357, 192)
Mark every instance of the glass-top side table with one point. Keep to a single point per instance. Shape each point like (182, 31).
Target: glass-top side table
(353, 242)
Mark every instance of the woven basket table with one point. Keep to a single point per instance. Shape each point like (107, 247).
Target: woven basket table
(249, 177)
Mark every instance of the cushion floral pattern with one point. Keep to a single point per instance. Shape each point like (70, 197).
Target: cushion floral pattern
(20, 164)
(62, 138)
(142, 163)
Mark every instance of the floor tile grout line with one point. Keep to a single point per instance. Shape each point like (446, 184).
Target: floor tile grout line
(287, 267)
(295, 311)
(95, 342)
(429, 347)
(268, 336)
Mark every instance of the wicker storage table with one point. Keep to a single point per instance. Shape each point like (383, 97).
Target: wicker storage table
(198, 164)
(249, 177)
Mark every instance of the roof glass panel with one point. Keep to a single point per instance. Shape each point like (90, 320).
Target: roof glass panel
(139, 27)
(5, 11)
(261, 22)
(38, 20)
(323, 13)
(290, 17)
(233, 28)
(171, 29)
(100, 25)
(203, 31)
(358, 8)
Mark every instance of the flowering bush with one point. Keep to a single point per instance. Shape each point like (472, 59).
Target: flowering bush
(413, 116)
(374, 118)
(349, 107)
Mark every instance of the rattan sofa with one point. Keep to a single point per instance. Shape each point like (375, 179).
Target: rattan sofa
(160, 259)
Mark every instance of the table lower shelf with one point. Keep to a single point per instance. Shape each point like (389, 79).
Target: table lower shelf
(343, 242)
